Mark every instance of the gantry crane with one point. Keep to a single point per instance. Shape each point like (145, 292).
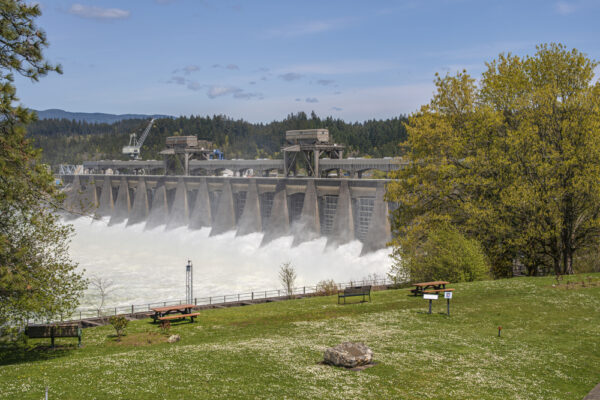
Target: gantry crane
(135, 144)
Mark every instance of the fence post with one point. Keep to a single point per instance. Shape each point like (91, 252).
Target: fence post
(210, 300)
(195, 301)
(252, 295)
(265, 294)
(304, 290)
(132, 306)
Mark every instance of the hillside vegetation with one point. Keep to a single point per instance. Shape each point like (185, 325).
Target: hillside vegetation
(549, 349)
(70, 141)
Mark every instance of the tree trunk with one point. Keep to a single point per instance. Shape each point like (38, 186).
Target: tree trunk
(568, 262)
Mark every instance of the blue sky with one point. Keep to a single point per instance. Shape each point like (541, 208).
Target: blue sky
(261, 60)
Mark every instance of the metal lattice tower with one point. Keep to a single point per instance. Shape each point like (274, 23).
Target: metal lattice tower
(189, 282)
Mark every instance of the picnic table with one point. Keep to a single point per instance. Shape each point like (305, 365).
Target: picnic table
(174, 312)
(423, 286)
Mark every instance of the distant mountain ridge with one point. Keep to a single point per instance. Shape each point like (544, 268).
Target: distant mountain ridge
(93, 117)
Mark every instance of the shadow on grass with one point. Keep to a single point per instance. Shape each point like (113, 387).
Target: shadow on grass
(17, 353)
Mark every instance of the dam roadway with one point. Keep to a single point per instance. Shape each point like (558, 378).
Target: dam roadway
(355, 167)
(342, 210)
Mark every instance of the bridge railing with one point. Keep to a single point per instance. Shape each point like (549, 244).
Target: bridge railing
(222, 299)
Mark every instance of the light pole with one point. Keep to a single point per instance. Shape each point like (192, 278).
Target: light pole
(189, 282)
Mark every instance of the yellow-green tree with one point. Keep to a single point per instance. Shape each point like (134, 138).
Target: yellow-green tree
(513, 161)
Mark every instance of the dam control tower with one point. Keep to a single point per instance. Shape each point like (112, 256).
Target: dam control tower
(308, 146)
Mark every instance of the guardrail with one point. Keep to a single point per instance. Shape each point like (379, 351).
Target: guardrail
(221, 299)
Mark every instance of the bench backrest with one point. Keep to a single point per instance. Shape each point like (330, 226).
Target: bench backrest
(358, 290)
(46, 331)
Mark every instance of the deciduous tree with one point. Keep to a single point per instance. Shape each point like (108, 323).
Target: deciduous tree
(513, 161)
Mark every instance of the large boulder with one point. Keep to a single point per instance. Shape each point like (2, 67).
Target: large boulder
(174, 338)
(349, 355)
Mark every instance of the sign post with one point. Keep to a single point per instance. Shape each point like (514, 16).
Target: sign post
(430, 297)
(448, 296)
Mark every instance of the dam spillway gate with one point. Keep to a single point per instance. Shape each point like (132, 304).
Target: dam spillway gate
(342, 210)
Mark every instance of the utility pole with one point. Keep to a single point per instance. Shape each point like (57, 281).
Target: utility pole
(189, 282)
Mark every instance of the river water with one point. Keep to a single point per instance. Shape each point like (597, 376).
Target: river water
(149, 266)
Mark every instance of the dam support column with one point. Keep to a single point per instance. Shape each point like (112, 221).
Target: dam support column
(89, 198)
(179, 211)
(107, 203)
(308, 227)
(123, 204)
(160, 208)
(73, 198)
(139, 211)
(201, 215)
(225, 218)
(343, 223)
(251, 220)
(379, 233)
(279, 222)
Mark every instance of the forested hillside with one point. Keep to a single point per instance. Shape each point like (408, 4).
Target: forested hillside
(55, 113)
(68, 141)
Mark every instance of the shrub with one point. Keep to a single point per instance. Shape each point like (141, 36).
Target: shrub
(327, 288)
(119, 323)
(439, 252)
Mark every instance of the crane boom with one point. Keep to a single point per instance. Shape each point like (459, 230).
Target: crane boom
(140, 141)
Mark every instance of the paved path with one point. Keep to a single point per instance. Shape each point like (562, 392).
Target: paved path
(594, 394)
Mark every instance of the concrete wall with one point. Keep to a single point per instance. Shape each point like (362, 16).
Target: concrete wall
(341, 209)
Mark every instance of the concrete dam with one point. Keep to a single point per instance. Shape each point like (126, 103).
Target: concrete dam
(306, 208)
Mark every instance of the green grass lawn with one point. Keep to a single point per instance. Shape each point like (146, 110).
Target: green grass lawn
(549, 349)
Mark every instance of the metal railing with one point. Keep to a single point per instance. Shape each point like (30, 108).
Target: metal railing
(223, 299)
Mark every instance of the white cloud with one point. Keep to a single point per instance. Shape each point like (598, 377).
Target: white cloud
(218, 91)
(180, 80)
(309, 27)
(565, 8)
(193, 85)
(312, 100)
(228, 66)
(325, 82)
(98, 12)
(191, 68)
(290, 76)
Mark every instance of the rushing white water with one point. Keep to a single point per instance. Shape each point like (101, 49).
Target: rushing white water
(149, 266)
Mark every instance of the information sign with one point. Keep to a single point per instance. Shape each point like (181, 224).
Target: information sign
(428, 296)
(447, 295)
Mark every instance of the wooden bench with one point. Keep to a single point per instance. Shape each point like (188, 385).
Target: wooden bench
(179, 316)
(54, 331)
(355, 291)
(422, 286)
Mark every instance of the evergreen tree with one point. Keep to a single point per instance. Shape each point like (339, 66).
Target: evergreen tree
(37, 279)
